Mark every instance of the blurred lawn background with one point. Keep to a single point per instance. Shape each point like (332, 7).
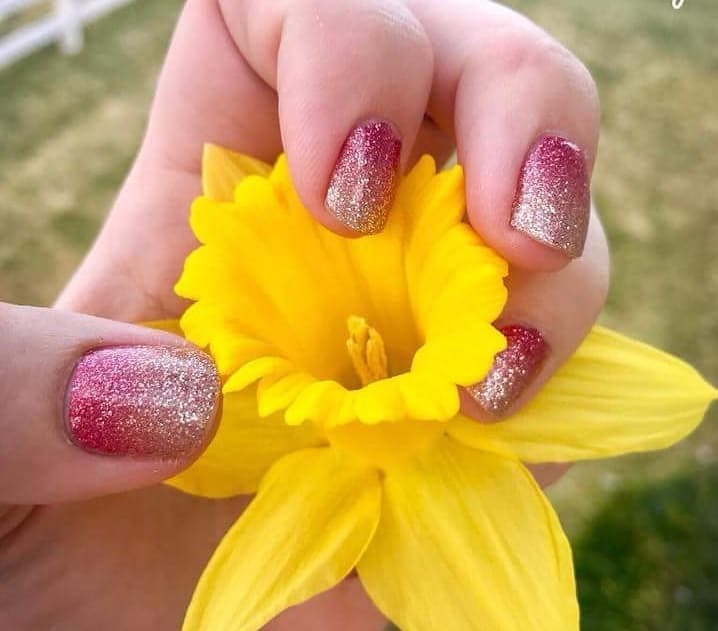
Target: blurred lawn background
(645, 528)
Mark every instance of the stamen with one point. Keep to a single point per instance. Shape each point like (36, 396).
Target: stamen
(366, 350)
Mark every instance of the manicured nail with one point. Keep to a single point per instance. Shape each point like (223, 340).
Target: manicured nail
(149, 401)
(362, 186)
(513, 370)
(553, 199)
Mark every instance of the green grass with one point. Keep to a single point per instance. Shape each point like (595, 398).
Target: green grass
(643, 564)
(645, 526)
(70, 127)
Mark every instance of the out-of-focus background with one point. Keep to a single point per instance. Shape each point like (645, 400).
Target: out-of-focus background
(644, 528)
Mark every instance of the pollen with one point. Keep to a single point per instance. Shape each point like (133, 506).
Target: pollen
(366, 350)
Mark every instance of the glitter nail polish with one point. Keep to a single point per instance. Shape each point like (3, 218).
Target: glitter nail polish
(362, 186)
(512, 370)
(553, 199)
(147, 401)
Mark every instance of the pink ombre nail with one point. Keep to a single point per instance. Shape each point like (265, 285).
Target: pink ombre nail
(553, 199)
(147, 401)
(362, 186)
(513, 369)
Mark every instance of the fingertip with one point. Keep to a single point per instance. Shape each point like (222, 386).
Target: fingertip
(492, 222)
(553, 202)
(351, 189)
(350, 113)
(364, 178)
(471, 408)
(514, 369)
(538, 218)
(522, 251)
(147, 402)
(106, 406)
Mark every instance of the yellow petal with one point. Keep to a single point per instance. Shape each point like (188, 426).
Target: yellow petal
(437, 204)
(320, 399)
(614, 396)
(463, 356)
(278, 392)
(229, 350)
(243, 449)
(304, 532)
(255, 370)
(232, 350)
(223, 169)
(459, 275)
(467, 542)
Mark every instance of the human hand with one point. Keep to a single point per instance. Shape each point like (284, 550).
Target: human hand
(254, 76)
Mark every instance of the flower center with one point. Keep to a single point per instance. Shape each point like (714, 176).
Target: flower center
(385, 444)
(366, 350)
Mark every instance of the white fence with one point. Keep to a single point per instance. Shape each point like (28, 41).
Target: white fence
(62, 24)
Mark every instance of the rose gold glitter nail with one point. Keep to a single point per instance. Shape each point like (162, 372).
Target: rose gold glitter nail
(512, 370)
(553, 198)
(148, 401)
(362, 186)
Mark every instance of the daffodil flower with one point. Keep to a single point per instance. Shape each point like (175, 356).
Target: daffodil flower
(341, 360)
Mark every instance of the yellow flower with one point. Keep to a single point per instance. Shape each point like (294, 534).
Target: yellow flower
(352, 437)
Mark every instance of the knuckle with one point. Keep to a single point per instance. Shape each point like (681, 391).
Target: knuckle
(392, 21)
(531, 49)
(518, 49)
(533, 57)
(527, 48)
(388, 24)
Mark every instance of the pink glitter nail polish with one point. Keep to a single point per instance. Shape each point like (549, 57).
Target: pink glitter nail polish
(147, 401)
(553, 199)
(362, 186)
(512, 371)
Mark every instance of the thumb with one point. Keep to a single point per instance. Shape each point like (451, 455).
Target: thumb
(91, 406)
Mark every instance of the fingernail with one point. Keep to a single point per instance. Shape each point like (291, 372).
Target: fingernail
(553, 198)
(149, 401)
(512, 371)
(362, 186)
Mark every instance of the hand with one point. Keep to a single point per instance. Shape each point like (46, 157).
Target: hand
(252, 76)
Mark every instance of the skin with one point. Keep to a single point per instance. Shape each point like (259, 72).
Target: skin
(92, 539)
